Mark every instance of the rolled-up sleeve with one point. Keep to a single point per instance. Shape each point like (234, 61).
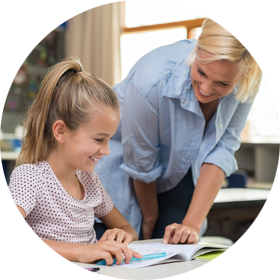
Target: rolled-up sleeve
(140, 135)
(223, 153)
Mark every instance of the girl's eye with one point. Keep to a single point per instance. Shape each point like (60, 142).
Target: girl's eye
(98, 140)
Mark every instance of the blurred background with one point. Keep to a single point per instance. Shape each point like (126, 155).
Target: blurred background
(108, 40)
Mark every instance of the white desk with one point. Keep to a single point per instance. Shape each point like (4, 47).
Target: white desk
(234, 210)
(191, 270)
(238, 204)
(229, 195)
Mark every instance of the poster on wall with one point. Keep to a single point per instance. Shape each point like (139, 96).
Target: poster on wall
(25, 55)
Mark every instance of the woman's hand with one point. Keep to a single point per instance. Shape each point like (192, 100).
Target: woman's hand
(177, 233)
(117, 235)
(107, 250)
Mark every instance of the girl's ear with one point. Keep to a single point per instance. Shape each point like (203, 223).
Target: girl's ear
(59, 131)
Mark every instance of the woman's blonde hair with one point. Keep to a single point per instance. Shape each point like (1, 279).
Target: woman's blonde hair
(222, 45)
(66, 93)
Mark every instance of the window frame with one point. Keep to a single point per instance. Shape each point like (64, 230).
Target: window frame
(191, 25)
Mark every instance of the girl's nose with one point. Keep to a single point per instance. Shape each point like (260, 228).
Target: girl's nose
(105, 150)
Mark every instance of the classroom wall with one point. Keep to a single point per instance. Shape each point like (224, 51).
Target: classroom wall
(46, 12)
(41, 11)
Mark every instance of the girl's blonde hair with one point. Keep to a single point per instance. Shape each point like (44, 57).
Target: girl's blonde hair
(222, 45)
(66, 93)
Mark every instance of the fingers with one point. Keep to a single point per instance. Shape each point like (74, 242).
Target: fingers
(116, 235)
(193, 238)
(127, 238)
(116, 250)
(125, 252)
(119, 236)
(168, 234)
(118, 253)
(105, 236)
(136, 254)
(107, 257)
(177, 233)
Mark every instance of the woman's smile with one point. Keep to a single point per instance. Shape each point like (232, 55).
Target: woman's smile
(203, 94)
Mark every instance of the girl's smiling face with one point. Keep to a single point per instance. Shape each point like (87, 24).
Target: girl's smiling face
(214, 79)
(83, 147)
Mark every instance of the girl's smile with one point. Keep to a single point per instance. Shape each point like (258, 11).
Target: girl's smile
(84, 147)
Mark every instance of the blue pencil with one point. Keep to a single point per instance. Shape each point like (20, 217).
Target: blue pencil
(145, 257)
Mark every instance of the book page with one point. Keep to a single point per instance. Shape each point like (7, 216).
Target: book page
(182, 252)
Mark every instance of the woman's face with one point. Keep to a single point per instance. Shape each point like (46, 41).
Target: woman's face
(213, 80)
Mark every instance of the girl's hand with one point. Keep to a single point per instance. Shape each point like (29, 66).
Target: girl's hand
(117, 235)
(107, 250)
(177, 233)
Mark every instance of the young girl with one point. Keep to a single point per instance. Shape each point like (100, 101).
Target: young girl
(68, 129)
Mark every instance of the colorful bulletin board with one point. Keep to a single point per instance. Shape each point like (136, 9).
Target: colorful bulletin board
(25, 54)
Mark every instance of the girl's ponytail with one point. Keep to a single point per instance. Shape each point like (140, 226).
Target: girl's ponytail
(65, 93)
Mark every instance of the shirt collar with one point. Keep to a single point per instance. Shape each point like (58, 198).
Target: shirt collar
(180, 79)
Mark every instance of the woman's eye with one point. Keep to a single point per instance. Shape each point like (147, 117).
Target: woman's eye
(98, 140)
(223, 84)
(200, 72)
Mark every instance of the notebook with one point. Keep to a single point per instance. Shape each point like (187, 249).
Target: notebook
(243, 257)
(170, 252)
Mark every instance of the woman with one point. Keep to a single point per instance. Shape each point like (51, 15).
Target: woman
(183, 108)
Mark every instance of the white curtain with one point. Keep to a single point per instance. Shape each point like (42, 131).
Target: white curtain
(94, 37)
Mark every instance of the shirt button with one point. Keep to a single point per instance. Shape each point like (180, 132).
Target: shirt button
(197, 136)
(220, 125)
(184, 101)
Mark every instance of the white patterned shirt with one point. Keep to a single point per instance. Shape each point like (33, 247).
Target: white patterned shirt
(51, 211)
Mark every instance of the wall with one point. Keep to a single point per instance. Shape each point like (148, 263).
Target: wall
(38, 13)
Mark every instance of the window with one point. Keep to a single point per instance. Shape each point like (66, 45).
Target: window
(152, 24)
(262, 123)
(142, 13)
(135, 45)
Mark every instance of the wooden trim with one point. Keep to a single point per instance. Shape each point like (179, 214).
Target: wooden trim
(188, 24)
(190, 33)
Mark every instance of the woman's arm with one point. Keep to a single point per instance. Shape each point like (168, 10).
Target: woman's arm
(208, 185)
(147, 198)
(114, 220)
(140, 139)
(218, 164)
(14, 244)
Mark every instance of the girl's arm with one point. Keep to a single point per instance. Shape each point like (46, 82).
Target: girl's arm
(119, 228)
(14, 244)
(208, 185)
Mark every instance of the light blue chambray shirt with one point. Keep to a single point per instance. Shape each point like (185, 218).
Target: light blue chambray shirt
(161, 134)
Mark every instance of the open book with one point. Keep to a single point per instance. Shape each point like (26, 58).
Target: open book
(174, 252)
(243, 257)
